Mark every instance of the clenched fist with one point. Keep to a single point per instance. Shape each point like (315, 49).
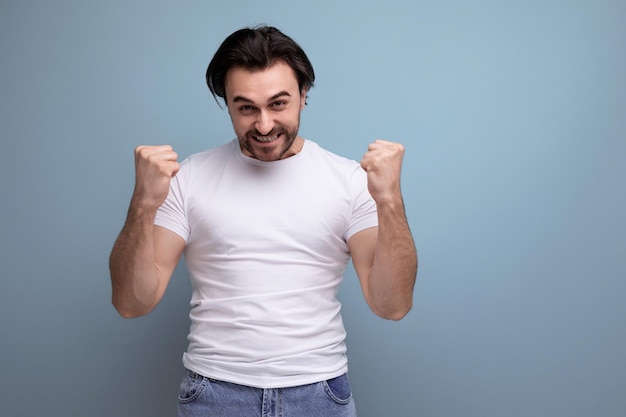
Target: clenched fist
(155, 166)
(383, 164)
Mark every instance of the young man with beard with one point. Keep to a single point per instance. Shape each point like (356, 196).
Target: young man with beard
(267, 223)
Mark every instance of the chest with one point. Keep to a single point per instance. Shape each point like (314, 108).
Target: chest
(258, 210)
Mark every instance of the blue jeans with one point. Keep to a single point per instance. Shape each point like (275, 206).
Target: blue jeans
(204, 397)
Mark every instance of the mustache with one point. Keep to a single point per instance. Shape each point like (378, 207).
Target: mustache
(274, 131)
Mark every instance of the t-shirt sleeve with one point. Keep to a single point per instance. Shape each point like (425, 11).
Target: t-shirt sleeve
(172, 214)
(364, 213)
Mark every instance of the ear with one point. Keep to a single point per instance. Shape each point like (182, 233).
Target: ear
(303, 94)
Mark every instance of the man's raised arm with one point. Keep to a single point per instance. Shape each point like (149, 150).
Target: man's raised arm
(144, 256)
(385, 257)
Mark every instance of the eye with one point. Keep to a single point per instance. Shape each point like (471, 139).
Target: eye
(247, 109)
(280, 104)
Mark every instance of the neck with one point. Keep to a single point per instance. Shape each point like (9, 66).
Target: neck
(295, 148)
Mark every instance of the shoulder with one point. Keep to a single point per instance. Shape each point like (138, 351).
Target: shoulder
(207, 158)
(219, 152)
(331, 158)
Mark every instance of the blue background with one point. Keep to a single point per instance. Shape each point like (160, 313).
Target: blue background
(514, 119)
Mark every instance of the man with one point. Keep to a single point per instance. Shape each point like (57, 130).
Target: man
(267, 223)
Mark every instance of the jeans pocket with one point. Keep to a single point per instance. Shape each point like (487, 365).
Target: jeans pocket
(191, 387)
(338, 389)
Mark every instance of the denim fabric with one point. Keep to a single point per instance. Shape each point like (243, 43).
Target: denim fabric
(204, 397)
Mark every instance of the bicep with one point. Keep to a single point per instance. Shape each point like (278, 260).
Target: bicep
(362, 246)
(168, 248)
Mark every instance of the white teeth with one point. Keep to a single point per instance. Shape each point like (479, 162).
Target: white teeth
(266, 139)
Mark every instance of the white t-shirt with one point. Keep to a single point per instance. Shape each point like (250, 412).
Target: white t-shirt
(266, 251)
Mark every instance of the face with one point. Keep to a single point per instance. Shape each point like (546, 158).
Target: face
(265, 107)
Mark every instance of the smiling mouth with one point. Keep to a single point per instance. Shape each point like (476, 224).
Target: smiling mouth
(266, 139)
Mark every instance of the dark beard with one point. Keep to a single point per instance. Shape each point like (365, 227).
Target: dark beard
(269, 154)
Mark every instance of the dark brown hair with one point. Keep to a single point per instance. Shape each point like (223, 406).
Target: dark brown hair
(257, 49)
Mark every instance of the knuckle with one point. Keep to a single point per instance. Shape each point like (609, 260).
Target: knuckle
(144, 151)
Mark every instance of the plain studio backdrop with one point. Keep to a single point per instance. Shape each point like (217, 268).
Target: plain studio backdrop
(513, 114)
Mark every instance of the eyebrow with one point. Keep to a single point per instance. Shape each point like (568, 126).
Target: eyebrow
(239, 99)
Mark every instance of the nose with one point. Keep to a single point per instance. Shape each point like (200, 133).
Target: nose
(264, 123)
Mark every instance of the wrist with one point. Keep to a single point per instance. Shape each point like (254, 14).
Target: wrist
(391, 201)
(142, 207)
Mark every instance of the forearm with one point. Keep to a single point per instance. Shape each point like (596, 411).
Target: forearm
(134, 277)
(394, 270)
